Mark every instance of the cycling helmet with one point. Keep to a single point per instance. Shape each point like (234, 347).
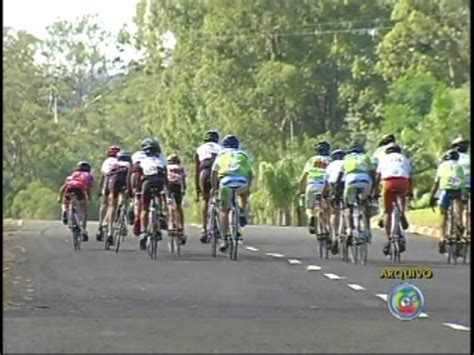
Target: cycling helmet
(124, 156)
(173, 159)
(151, 145)
(357, 148)
(322, 148)
(393, 148)
(113, 150)
(451, 155)
(211, 136)
(84, 166)
(460, 144)
(230, 141)
(338, 154)
(386, 139)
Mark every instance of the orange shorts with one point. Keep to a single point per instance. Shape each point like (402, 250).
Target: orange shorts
(393, 187)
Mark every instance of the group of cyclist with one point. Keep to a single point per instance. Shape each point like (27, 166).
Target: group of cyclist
(331, 177)
(334, 178)
(134, 177)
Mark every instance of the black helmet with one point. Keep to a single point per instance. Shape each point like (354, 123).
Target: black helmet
(338, 154)
(357, 148)
(461, 144)
(124, 156)
(322, 148)
(84, 166)
(393, 148)
(386, 139)
(211, 136)
(151, 145)
(451, 155)
(230, 141)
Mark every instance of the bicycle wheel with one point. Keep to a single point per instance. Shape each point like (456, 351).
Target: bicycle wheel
(171, 238)
(214, 232)
(177, 241)
(451, 242)
(235, 222)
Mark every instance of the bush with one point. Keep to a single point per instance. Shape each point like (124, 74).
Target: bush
(36, 202)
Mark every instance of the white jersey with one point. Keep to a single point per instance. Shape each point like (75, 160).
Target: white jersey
(152, 164)
(138, 156)
(107, 165)
(394, 165)
(206, 150)
(333, 170)
(465, 162)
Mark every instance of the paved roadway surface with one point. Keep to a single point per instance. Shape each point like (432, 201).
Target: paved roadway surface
(98, 301)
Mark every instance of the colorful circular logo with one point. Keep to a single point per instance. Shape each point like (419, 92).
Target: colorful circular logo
(406, 301)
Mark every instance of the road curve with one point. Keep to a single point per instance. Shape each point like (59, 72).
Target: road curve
(267, 301)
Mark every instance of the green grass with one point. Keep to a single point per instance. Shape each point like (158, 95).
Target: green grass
(424, 217)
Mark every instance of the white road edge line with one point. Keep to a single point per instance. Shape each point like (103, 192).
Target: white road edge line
(294, 261)
(313, 268)
(457, 326)
(276, 255)
(334, 277)
(252, 249)
(356, 287)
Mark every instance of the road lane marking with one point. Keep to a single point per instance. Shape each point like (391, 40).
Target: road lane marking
(195, 225)
(276, 255)
(252, 249)
(356, 287)
(313, 268)
(457, 326)
(423, 315)
(294, 261)
(382, 296)
(334, 277)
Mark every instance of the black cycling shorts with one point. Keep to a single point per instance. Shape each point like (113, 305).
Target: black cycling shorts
(176, 193)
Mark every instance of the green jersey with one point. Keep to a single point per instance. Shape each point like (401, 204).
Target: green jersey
(232, 162)
(450, 175)
(315, 167)
(355, 163)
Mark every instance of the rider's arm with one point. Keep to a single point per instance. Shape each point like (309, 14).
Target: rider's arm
(196, 174)
(61, 191)
(101, 183)
(214, 180)
(302, 183)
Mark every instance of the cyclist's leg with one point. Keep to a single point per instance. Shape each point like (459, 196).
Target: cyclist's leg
(136, 188)
(366, 210)
(103, 209)
(144, 204)
(458, 210)
(224, 198)
(310, 198)
(467, 213)
(445, 200)
(243, 194)
(349, 200)
(65, 205)
(205, 186)
(113, 199)
(82, 204)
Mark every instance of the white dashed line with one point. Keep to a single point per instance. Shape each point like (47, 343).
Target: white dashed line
(333, 277)
(195, 225)
(276, 255)
(423, 315)
(356, 287)
(457, 327)
(382, 296)
(252, 249)
(313, 268)
(294, 261)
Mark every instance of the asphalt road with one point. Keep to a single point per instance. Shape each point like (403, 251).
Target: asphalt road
(98, 301)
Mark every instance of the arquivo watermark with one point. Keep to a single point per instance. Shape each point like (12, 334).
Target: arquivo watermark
(406, 273)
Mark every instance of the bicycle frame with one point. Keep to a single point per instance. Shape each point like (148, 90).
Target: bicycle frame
(213, 225)
(234, 224)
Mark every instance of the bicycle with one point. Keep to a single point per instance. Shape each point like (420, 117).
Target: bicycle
(346, 250)
(322, 229)
(396, 235)
(154, 224)
(360, 248)
(213, 225)
(174, 242)
(234, 216)
(120, 226)
(74, 222)
(457, 245)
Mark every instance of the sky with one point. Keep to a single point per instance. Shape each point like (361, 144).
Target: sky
(34, 15)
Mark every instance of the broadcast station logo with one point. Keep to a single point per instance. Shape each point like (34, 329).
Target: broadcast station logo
(406, 301)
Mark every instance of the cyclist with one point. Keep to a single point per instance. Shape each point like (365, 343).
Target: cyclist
(204, 158)
(450, 181)
(395, 172)
(313, 183)
(112, 152)
(134, 184)
(232, 166)
(379, 153)
(335, 193)
(117, 188)
(462, 146)
(359, 174)
(177, 189)
(154, 176)
(79, 182)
